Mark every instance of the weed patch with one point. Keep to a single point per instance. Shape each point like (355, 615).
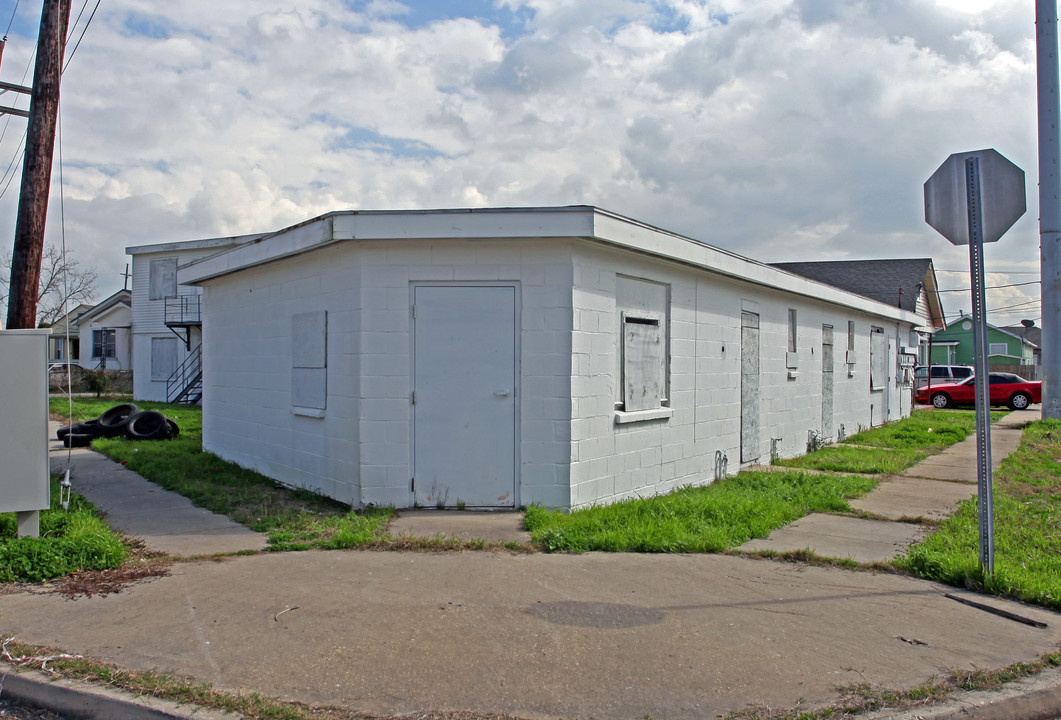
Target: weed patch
(70, 540)
(697, 519)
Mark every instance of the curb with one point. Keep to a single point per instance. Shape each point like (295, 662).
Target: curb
(90, 702)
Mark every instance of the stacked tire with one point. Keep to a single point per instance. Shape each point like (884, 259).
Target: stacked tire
(121, 420)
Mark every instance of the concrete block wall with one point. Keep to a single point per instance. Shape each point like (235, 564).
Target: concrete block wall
(542, 271)
(360, 450)
(613, 461)
(247, 411)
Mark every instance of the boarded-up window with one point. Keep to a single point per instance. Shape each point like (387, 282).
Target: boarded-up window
(163, 279)
(103, 343)
(878, 359)
(163, 357)
(309, 360)
(644, 353)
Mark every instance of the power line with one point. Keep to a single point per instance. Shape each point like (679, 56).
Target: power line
(88, 22)
(995, 287)
(12, 20)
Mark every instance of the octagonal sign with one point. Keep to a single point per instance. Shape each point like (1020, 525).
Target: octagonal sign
(1002, 199)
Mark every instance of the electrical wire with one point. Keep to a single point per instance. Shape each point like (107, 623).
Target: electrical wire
(12, 20)
(994, 287)
(88, 22)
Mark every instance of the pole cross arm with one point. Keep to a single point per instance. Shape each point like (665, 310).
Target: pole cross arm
(13, 111)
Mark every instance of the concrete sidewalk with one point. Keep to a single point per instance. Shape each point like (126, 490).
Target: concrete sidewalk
(539, 636)
(930, 490)
(165, 521)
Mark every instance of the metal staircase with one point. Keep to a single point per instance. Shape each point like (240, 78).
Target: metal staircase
(185, 385)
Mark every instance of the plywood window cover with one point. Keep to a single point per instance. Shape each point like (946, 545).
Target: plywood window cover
(163, 278)
(309, 363)
(643, 367)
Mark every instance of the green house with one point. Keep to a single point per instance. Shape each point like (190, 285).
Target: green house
(953, 345)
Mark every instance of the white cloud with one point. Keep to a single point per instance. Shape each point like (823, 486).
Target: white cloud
(782, 129)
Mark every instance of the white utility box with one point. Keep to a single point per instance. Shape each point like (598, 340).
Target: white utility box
(24, 470)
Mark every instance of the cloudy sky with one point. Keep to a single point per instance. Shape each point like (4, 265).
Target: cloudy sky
(778, 129)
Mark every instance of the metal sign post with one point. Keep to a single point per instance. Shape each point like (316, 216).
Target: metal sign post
(973, 198)
(985, 492)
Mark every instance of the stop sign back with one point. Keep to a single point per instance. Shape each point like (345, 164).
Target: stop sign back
(1001, 196)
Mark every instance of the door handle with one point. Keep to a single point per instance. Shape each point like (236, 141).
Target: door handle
(503, 393)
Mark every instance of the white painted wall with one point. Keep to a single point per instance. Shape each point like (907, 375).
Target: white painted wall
(572, 452)
(613, 461)
(359, 450)
(120, 319)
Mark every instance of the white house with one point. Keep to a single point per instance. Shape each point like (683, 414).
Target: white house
(105, 337)
(166, 322)
(501, 357)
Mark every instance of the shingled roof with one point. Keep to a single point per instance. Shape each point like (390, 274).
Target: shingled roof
(894, 282)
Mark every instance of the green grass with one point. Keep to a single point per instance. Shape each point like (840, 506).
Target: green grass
(929, 430)
(1027, 521)
(295, 519)
(70, 540)
(697, 519)
(838, 458)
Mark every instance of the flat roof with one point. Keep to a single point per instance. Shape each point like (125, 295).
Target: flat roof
(583, 222)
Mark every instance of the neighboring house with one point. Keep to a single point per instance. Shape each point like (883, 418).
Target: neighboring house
(908, 283)
(105, 334)
(65, 342)
(166, 327)
(1032, 334)
(953, 345)
(501, 357)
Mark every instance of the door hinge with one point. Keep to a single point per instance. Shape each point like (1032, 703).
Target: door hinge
(414, 397)
(412, 484)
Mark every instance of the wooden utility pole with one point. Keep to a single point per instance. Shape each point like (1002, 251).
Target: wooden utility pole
(37, 167)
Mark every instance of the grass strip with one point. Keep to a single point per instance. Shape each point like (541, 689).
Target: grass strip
(185, 691)
(865, 698)
(929, 430)
(295, 519)
(1027, 521)
(697, 519)
(838, 458)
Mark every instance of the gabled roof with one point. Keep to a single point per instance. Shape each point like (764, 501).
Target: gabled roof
(580, 222)
(73, 316)
(1017, 333)
(894, 282)
(1032, 334)
(122, 297)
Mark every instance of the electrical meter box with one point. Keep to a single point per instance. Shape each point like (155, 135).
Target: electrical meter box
(24, 471)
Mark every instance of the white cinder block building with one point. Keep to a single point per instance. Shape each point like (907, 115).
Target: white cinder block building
(501, 357)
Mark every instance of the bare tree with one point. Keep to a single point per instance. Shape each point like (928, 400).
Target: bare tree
(64, 284)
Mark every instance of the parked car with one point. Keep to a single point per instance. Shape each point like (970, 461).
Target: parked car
(941, 374)
(1005, 389)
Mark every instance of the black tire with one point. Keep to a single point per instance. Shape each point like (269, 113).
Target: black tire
(86, 427)
(1019, 401)
(174, 430)
(941, 400)
(74, 439)
(147, 425)
(112, 423)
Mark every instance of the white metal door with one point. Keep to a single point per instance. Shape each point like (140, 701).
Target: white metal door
(749, 387)
(827, 383)
(464, 395)
(894, 389)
